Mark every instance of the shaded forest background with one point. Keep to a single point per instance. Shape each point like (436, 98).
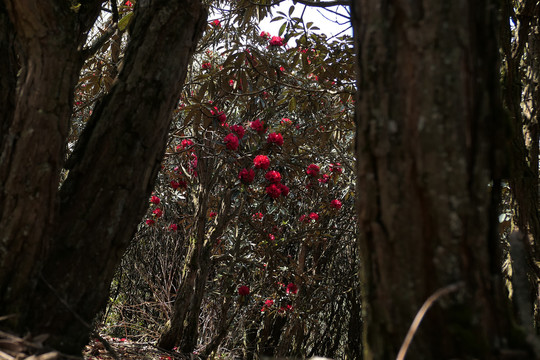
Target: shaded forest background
(173, 174)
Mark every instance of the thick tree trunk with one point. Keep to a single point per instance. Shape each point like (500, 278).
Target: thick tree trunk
(32, 148)
(69, 241)
(8, 73)
(428, 126)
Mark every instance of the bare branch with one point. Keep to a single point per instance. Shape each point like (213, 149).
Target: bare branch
(324, 4)
(98, 43)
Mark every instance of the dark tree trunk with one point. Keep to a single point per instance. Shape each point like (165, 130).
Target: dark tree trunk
(8, 74)
(32, 147)
(61, 247)
(428, 130)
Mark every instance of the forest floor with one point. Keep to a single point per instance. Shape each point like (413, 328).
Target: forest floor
(105, 348)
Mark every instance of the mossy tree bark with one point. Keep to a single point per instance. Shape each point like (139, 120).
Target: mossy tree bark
(429, 140)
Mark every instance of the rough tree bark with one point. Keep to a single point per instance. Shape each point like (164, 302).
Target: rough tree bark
(60, 247)
(428, 143)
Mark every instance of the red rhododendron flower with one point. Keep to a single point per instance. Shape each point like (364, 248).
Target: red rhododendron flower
(154, 200)
(273, 191)
(150, 222)
(246, 176)
(275, 138)
(286, 121)
(276, 41)
(336, 168)
(314, 216)
(239, 130)
(177, 184)
(312, 170)
(216, 23)
(129, 3)
(257, 125)
(261, 162)
(324, 179)
(267, 304)
(158, 212)
(265, 35)
(212, 214)
(284, 189)
(231, 141)
(257, 216)
(292, 288)
(206, 66)
(222, 117)
(173, 227)
(336, 204)
(219, 114)
(303, 218)
(271, 237)
(243, 290)
(186, 143)
(273, 176)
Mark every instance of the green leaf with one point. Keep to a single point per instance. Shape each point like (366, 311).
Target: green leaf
(124, 22)
(282, 29)
(292, 104)
(291, 10)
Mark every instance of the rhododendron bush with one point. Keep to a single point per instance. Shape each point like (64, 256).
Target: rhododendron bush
(252, 149)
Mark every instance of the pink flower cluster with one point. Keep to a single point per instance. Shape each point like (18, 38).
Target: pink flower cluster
(257, 125)
(246, 176)
(267, 305)
(231, 141)
(276, 41)
(336, 204)
(243, 290)
(239, 130)
(336, 168)
(178, 184)
(222, 118)
(313, 216)
(275, 138)
(292, 288)
(286, 121)
(273, 176)
(261, 162)
(277, 190)
(186, 143)
(313, 170)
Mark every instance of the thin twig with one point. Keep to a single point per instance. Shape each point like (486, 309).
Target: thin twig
(420, 315)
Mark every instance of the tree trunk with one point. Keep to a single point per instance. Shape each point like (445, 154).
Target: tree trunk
(69, 241)
(8, 73)
(428, 132)
(32, 149)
